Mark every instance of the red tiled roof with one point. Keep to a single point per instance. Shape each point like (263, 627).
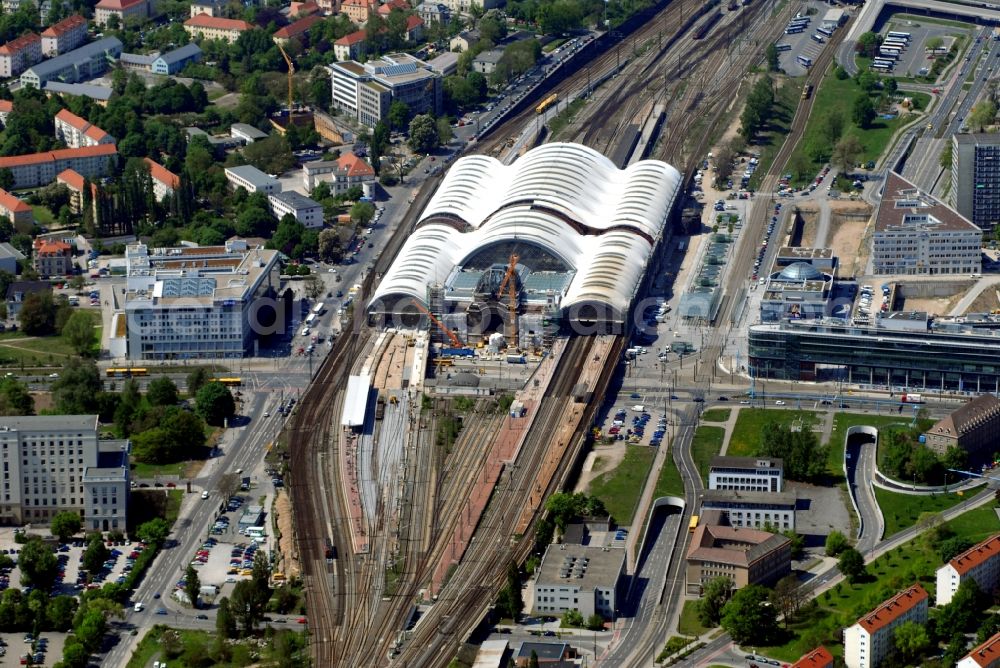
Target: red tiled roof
(96, 133)
(352, 39)
(11, 203)
(892, 609)
(413, 21)
(53, 248)
(974, 556)
(300, 27)
(67, 24)
(393, 4)
(206, 21)
(162, 174)
(61, 154)
(354, 165)
(117, 5)
(72, 178)
(986, 654)
(19, 44)
(71, 119)
(818, 658)
(304, 8)
(6, 106)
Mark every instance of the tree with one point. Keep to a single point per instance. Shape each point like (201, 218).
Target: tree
(444, 130)
(748, 616)
(803, 456)
(65, 525)
(329, 245)
(771, 55)
(38, 564)
(951, 548)
(7, 179)
(715, 594)
(192, 585)
(983, 113)
(758, 108)
(963, 611)
(245, 605)
(423, 134)
(162, 392)
(933, 43)
(60, 611)
(836, 542)
(95, 555)
(595, 622)
(955, 458)
(76, 390)
(533, 659)
(911, 641)
(79, 333)
(196, 380)
(851, 565)
(834, 126)
(399, 114)
(867, 43)
(572, 619)
(154, 531)
(362, 212)
(864, 111)
(787, 596)
(847, 153)
(15, 398)
(314, 286)
(38, 314)
(215, 403)
(225, 622)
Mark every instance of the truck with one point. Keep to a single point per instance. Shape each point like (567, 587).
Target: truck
(209, 590)
(380, 407)
(912, 399)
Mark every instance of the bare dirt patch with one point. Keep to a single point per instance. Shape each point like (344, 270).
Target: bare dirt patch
(606, 458)
(934, 305)
(43, 401)
(286, 545)
(988, 300)
(804, 234)
(848, 231)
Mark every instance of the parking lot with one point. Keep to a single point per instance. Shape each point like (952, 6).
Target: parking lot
(914, 60)
(46, 649)
(803, 44)
(635, 425)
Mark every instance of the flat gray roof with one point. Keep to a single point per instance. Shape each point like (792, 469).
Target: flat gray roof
(249, 130)
(748, 498)
(93, 91)
(85, 52)
(724, 461)
(296, 200)
(6, 250)
(186, 51)
(48, 422)
(251, 174)
(583, 566)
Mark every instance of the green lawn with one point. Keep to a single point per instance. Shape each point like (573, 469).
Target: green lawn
(716, 415)
(706, 444)
(669, 482)
(770, 139)
(620, 488)
(913, 561)
(19, 349)
(553, 45)
(43, 215)
(752, 421)
(194, 647)
(688, 624)
(901, 511)
(174, 499)
(147, 471)
(837, 96)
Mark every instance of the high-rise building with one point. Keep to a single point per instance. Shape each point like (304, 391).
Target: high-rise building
(365, 91)
(975, 178)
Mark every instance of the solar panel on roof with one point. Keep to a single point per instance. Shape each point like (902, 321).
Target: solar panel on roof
(188, 287)
(396, 70)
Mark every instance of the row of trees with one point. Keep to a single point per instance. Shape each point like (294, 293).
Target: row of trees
(758, 108)
(804, 457)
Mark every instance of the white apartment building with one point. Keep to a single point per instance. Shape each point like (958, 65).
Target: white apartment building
(39, 169)
(746, 474)
(916, 233)
(165, 182)
(986, 655)
(252, 180)
(64, 36)
(870, 641)
(19, 54)
(307, 211)
(200, 302)
(755, 510)
(55, 463)
(979, 563)
(77, 132)
(578, 577)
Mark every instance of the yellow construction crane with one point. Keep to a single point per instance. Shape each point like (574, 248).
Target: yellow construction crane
(291, 73)
(510, 283)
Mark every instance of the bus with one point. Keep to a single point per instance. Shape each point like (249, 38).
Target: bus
(804, 61)
(882, 67)
(893, 45)
(825, 31)
(693, 524)
(310, 319)
(783, 47)
(794, 31)
(883, 55)
(319, 308)
(903, 36)
(546, 103)
(884, 61)
(127, 372)
(229, 381)
(818, 38)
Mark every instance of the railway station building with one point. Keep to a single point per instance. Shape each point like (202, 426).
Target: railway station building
(572, 231)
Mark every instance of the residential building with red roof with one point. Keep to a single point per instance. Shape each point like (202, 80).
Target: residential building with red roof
(351, 47)
(869, 641)
(75, 182)
(14, 209)
(818, 658)
(414, 28)
(76, 132)
(301, 9)
(359, 10)
(6, 106)
(329, 6)
(213, 27)
(164, 181)
(38, 169)
(986, 655)
(385, 9)
(979, 563)
(296, 30)
(52, 258)
(127, 11)
(343, 173)
(64, 36)
(19, 54)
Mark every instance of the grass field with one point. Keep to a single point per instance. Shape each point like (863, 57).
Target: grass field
(752, 421)
(669, 482)
(195, 647)
(20, 350)
(688, 624)
(911, 562)
(716, 415)
(43, 215)
(901, 511)
(620, 488)
(786, 98)
(706, 444)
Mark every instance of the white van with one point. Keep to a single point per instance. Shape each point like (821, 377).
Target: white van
(138, 607)
(639, 408)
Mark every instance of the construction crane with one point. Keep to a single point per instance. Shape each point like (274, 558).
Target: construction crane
(291, 73)
(510, 283)
(455, 341)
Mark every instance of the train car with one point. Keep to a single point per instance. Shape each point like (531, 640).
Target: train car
(783, 47)
(804, 61)
(825, 31)
(546, 103)
(707, 25)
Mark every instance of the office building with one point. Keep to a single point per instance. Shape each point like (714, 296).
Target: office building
(86, 62)
(165, 182)
(127, 12)
(756, 510)
(796, 290)
(296, 30)
(745, 556)
(980, 563)
(351, 46)
(52, 258)
(366, 91)
(342, 174)
(38, 169)
(77, 132)
(200, 302)
(252, 180)
(577, 577)
(486, 62)
(972, 427)
(986, 655)
(746, 474)
(13, 209)
(19, 54)
(248, 134)
(99, 94)
(204, 26)
(307, 211)
(975, 178)
(916, 233)
(445, 63)
(64, 36)
(869, 642)
(818, 658)
(55, 463)
(176, 60)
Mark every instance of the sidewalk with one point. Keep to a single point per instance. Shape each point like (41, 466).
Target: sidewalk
(728, 425)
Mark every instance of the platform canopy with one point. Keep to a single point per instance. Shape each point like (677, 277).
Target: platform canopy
(356, 401)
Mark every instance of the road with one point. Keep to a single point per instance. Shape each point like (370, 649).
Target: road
(860, 472)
